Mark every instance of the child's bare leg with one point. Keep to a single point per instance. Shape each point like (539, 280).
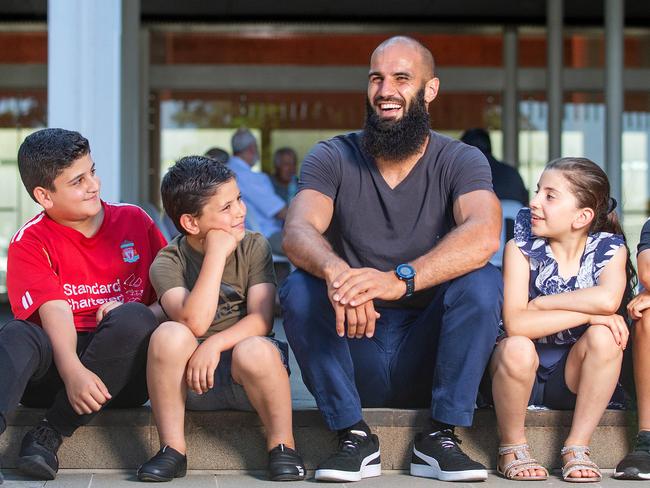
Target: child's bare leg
(641, 343)
(512, 367)
(592, 370)
(171, 346)
(257, 366)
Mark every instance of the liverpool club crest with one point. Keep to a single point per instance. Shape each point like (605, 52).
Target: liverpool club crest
(129, 253)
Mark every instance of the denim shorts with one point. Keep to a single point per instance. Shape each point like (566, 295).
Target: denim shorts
(550, 388)
(226, 394)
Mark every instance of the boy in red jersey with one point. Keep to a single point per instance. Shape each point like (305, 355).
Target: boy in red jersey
(78, 283)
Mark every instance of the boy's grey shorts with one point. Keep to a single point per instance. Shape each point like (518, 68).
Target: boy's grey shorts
(226, 394)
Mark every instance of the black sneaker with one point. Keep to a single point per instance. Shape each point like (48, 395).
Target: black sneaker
(634, 466)
(357, 457)
(437, 455)
(37, 456)
(166, 465)
(285, 464)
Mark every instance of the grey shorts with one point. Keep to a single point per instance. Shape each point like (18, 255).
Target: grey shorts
(226, 394)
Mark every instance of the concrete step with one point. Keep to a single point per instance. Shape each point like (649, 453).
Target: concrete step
(234, 441)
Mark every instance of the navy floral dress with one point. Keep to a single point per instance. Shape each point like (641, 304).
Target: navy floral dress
(549, 389)
(545, 278)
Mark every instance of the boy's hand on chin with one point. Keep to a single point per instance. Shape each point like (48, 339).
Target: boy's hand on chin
(218, 240)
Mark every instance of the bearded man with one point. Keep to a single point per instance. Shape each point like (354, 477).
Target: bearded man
(393, 303)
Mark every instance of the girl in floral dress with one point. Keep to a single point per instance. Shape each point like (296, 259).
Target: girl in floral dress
(566, 274)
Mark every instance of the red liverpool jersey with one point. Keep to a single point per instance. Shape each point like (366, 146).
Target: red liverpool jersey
(49, 261)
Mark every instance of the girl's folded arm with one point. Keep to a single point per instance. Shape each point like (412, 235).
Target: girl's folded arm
(518, 319)
(603, 299)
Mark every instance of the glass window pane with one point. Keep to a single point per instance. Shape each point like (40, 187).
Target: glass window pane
(20, 114)
(192, 123)
(584, 136)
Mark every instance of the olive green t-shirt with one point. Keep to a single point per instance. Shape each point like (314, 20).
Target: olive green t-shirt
(251, 263)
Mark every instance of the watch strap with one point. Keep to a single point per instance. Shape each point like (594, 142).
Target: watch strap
(410, 286)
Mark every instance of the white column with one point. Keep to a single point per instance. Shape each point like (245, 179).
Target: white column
(614, 21)
(90, 77)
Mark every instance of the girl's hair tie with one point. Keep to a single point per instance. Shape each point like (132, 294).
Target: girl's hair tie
(612, 205)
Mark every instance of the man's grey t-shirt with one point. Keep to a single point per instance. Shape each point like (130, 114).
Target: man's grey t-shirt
(379, 227)
(644, 241)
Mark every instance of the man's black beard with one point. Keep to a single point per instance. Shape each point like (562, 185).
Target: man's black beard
(396, 140)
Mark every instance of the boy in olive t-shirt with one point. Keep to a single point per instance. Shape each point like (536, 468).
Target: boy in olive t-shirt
(216, 284)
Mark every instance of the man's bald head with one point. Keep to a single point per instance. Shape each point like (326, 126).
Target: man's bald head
(426, 58)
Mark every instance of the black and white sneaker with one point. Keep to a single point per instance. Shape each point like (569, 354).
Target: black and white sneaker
(357, 457)
(38, 452)
(634, 466)
(437, 455)
(285, 464)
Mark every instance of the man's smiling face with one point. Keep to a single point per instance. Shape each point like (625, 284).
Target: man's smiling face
(397, 74)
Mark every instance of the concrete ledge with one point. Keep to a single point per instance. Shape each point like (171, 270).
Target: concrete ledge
(234, 441)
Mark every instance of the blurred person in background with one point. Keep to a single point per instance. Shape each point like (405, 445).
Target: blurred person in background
(266, 210)
(285, 182)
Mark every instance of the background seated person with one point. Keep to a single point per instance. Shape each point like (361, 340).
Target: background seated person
(266, 210)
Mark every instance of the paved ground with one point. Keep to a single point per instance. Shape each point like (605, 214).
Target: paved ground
(73, 479)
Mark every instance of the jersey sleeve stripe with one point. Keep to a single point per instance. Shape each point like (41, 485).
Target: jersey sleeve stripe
(112, 204)
(19, 235)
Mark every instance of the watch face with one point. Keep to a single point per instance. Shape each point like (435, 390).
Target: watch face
(405, 271)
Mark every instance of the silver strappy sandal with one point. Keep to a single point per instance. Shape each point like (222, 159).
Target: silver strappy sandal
(521, 462)
(580, 461)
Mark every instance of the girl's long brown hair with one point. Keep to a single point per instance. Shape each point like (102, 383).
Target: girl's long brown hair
(590, 186)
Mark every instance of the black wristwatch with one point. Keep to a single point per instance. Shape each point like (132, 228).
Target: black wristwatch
(406, 273)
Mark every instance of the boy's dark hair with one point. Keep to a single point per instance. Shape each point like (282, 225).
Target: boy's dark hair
(44, 154)
(189, 184)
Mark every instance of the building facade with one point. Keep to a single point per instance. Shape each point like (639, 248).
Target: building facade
(152, 80)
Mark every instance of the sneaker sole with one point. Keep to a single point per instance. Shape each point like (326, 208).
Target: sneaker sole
(35, 467)
(154, 477)
(288, 477)
(432, 470)
(366, 471)
(631, 474)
